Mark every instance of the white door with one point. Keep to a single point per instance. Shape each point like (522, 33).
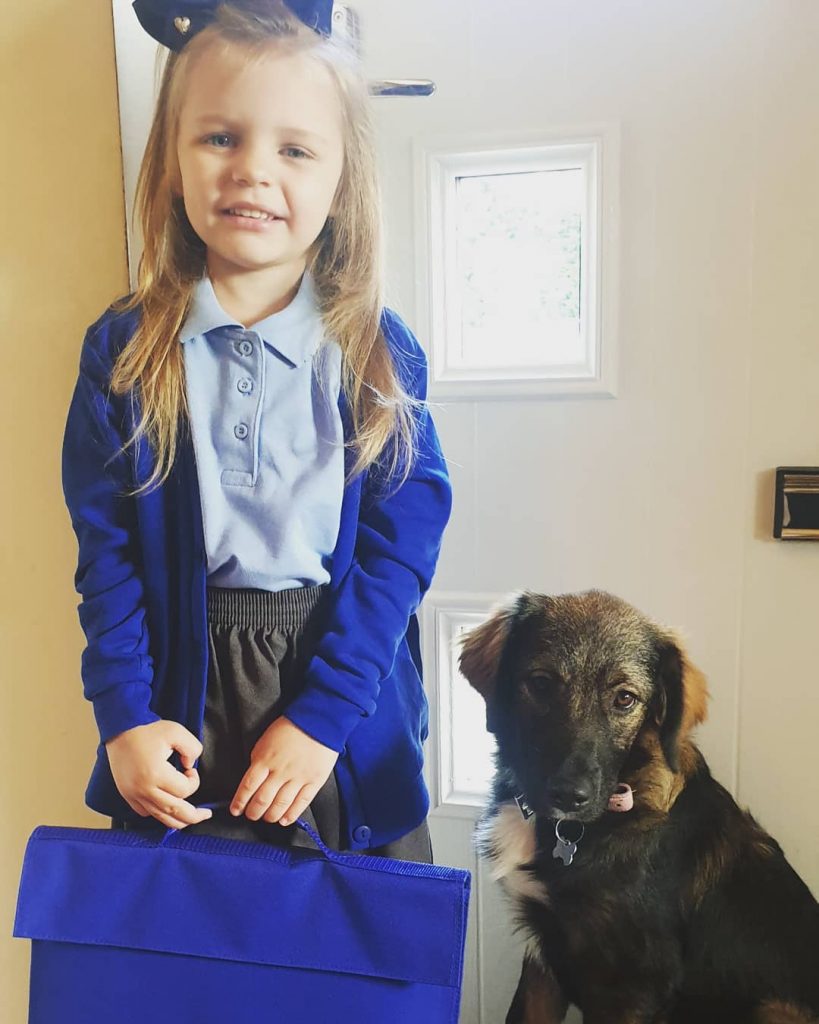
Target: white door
(662, 494)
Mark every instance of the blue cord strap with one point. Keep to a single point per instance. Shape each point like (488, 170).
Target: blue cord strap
(219, 805)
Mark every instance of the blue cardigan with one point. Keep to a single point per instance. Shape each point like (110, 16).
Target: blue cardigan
(141, 575)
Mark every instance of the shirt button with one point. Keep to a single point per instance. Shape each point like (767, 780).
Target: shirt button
(362, 833)
(244, 347)
(245, 385)
(240, 430)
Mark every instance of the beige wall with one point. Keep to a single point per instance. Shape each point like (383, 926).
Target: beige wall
(62, 259)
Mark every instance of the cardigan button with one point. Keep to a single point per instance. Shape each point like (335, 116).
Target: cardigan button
(362, 833)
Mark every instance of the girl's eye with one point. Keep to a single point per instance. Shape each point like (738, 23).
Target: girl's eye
(220, 135)
(295, 149)
(624, 700)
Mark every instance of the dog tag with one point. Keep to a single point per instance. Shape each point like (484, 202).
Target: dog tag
(565, 849)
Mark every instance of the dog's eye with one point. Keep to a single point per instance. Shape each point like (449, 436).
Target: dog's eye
(539, 680)
(538, 685)
(624, 700)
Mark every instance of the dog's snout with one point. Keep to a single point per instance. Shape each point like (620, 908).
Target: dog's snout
(570, 796)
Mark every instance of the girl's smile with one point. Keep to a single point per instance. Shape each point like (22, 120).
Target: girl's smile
(246, 220)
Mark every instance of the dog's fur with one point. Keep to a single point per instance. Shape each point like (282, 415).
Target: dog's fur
(679, 911)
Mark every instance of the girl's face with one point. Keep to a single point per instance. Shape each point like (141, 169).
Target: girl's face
(270, 135)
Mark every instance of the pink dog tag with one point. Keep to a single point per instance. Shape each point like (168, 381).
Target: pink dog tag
(622, 799)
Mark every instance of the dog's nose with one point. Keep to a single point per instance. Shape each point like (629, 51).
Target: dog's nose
(570, 797)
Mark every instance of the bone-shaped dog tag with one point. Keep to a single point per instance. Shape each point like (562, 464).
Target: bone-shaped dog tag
(564, 851)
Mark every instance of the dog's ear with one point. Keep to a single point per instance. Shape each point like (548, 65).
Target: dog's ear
(681, 697)
(482, 651)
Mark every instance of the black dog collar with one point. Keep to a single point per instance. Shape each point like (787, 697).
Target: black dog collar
(523, 807)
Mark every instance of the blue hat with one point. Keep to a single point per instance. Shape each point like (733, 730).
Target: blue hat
(174, 22)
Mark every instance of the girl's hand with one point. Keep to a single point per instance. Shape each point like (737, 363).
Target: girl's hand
(287, 769)
(151, 786)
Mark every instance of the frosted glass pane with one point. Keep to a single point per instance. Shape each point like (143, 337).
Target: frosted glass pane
(518, 251)
(472, 745)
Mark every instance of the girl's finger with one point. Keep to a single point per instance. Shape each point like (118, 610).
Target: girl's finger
(302, 801)
(264, 796)
(176, 783)
(171, 821)
(176, 813)
(284, 798)
(253, 778)
(140, 808)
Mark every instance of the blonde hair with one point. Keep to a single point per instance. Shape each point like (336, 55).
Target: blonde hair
(345, 260)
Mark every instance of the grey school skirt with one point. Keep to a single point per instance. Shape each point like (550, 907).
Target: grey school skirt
(260, 642)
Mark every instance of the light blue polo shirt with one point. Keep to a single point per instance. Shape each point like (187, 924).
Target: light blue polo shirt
(268, 440)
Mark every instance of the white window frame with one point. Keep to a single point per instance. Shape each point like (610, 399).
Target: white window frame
(441, 614)
(438, 161)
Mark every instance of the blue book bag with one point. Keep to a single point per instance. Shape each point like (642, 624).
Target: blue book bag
(171, 929)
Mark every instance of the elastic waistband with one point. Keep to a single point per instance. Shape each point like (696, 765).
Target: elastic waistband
(246, 606)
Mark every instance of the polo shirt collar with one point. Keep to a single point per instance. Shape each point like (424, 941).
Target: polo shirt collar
(295, 332)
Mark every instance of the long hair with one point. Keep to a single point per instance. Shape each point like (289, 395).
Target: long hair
(346, 259)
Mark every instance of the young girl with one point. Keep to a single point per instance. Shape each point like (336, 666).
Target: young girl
(254, 479)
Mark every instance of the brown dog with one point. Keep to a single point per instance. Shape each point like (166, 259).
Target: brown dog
(645, 893)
